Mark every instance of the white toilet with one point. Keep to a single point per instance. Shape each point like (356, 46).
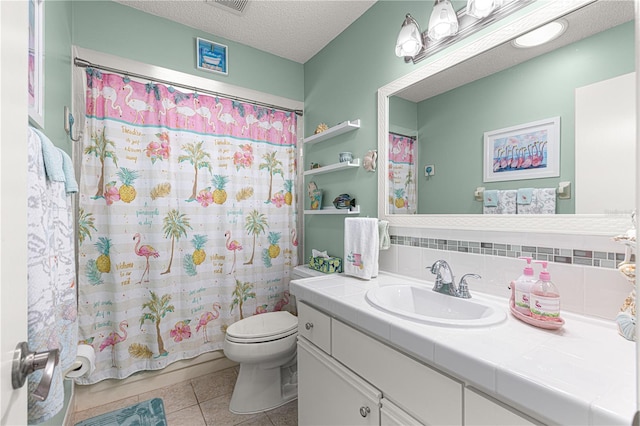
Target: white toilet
(265, 347)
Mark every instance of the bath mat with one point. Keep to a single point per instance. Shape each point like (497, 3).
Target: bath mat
(149, 412)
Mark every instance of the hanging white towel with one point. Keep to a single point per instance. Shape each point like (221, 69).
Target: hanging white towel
(50, 276)
(361, 247)
(543, 201)
(506, 203)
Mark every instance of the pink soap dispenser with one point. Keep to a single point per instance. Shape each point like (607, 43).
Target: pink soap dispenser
(523, 286)
(545, 297)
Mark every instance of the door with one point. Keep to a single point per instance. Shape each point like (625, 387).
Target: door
(13, 203)
(330, 394)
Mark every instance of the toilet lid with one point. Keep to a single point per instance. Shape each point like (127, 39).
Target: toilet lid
(262, 327)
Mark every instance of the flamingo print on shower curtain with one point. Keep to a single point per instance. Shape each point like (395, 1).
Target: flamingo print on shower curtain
(167, 178)
(402, 174)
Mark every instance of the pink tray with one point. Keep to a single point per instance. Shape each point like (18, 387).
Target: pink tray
(549, 325)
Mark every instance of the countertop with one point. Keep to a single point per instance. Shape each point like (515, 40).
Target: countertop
(581, 374)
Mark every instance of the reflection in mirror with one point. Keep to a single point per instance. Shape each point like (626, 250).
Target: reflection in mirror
(584, 77)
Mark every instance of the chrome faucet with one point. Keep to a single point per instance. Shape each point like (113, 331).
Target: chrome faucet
(445, 282)
(444, 278)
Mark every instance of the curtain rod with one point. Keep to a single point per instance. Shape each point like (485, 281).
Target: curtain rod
(404, 136)
(82, 63)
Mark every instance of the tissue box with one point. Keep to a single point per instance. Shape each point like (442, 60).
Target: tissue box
(328, 266)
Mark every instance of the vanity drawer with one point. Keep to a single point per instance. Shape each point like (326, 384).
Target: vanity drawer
(314, 326)
(428, 395)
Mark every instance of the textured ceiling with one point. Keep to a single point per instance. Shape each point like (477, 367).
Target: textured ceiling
(294, 30)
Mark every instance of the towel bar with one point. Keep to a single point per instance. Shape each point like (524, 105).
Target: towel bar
(563, 190)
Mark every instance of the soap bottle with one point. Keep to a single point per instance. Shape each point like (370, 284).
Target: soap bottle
(545, 297)
(523, 285)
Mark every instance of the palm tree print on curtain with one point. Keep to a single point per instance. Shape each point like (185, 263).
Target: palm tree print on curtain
(179, 174)
(158, 309)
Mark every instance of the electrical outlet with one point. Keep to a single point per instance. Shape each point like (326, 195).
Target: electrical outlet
(429, 170)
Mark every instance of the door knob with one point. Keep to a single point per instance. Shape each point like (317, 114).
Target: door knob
(308, 325)
(26, 362)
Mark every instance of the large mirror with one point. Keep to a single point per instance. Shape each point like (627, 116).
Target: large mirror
(451, 117)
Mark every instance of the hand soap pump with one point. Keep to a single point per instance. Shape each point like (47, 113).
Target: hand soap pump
(545, 297)
(523, 286)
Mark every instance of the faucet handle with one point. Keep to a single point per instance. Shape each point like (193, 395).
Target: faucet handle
(463, 288)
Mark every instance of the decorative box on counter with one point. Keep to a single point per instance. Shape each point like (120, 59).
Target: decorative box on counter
(329, 265)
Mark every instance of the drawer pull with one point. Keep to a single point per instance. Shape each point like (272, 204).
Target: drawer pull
(364, 411)
(308, 326)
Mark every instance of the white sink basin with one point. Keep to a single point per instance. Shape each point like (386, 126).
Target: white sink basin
(422, 304)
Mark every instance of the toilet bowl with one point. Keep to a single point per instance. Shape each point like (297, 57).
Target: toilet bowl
(265, 347)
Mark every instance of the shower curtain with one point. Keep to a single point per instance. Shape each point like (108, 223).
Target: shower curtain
(186, 220)
(402, 174)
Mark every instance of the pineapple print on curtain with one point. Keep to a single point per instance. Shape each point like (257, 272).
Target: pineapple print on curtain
(185, 221)
(402, 174)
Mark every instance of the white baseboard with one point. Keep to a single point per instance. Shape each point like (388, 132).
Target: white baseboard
(107, 391)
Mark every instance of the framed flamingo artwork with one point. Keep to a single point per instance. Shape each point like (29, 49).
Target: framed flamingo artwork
(36, 74)
(525, 151)
(212, 56)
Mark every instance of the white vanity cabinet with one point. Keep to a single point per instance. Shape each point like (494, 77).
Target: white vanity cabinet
(481, 410)
(424, 393)
(392, 415)
(330, 394)
(314, 326)
(346, 377)
(343, 383)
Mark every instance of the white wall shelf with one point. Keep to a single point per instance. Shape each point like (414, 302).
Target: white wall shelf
(333, 210)
(344, 127)
(333, 167)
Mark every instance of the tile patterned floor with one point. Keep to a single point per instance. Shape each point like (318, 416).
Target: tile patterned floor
(203, 401)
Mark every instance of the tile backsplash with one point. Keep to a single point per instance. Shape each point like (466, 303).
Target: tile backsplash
(583, 267)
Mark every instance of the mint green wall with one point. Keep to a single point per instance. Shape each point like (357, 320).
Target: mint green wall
(341, 83)
(57, 70)
(403, 116)
(120, 30)
(452, 124)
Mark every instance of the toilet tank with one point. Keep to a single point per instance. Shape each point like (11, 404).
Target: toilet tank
(303, 271)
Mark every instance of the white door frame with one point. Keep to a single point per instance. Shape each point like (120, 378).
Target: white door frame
(13, 202)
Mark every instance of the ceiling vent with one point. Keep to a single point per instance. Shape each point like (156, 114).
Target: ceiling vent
(233, 6)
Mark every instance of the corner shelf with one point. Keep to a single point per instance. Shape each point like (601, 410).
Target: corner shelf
(333, 210)
(344, 127)
(333, 167)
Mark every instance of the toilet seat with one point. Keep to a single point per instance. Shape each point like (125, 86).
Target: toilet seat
(263, 328)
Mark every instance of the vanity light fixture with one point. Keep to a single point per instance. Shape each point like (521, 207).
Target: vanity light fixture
(409, 39)
(541, 35)
(480, 9)
(446, 26)
(443, 21)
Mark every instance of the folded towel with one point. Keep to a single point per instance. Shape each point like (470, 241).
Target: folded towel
(70, 183)
(524, 196)
(52, 158)
(490, 198)
(543, 201)
(361, 247)
(383, 234)
(506, 203)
